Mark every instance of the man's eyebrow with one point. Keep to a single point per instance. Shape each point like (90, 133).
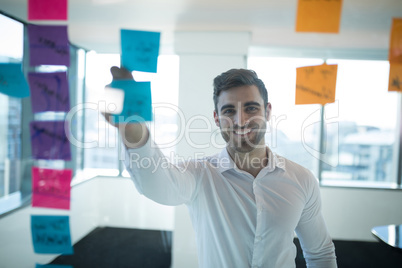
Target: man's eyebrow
(250, 103)
(227, 106)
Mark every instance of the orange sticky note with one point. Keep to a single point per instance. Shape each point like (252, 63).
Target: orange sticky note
(322, 16)
(316, 84)
(395, 44)
(395, 77)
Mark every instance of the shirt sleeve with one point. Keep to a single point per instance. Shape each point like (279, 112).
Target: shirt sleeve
(317, 245)
(157, 178)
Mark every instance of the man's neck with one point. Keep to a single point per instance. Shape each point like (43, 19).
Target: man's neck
(251, 162)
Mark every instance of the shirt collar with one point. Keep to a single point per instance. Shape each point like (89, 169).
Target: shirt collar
(225, 162)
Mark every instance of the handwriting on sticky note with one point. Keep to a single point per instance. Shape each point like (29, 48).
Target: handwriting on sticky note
(49, 140)
(139, 50)
(316, 84)
(395, 44)
(47, 9)
(322, 16)
(51, 234)
(137, 104)
(395, 77)
(48, 45)
(12, 80)
(49, 92)
(51, 188)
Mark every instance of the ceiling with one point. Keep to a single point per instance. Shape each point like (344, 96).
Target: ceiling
(95, 24)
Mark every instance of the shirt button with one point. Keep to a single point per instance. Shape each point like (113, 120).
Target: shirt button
(258, 238)
(259, 211)
(255, 266)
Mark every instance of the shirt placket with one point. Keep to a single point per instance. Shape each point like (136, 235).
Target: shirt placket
(258, 247)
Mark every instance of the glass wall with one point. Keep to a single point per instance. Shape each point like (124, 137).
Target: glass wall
(16, 114)
(360, 132)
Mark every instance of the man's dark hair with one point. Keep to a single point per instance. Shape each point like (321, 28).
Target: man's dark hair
(236, 78)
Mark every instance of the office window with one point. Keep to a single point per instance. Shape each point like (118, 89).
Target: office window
(358, 141)
(11, 50)
(104, 147)
(366, 128)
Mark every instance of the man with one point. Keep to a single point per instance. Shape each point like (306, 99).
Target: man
(245, 203)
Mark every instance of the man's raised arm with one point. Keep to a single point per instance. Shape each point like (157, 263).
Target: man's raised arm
(134, 135)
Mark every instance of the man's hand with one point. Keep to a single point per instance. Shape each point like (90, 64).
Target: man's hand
(134, 135)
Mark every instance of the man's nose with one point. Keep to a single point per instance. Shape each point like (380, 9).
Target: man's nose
(240, 119)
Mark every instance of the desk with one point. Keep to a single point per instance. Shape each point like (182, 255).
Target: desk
(389, 234)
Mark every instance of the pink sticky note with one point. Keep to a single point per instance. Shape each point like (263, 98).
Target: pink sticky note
(47, 9)
(51, 188)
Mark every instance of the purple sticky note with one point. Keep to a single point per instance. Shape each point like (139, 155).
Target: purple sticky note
(49, 92)
(51, 188)
(49, 140)
(48, 45)
(47, 9)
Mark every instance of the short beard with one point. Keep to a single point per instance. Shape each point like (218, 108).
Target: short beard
(246, 145)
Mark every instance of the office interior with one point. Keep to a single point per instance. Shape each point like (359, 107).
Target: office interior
(353, 145)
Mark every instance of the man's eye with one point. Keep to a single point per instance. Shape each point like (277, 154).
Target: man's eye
(251, 109)
(228, 111)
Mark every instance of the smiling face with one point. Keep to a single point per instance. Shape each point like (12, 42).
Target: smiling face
(242, 118)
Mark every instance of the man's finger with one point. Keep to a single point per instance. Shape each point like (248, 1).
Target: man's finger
(120, 73)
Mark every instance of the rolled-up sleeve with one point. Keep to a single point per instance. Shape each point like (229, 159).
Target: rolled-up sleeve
(157, 178)
(317, 245)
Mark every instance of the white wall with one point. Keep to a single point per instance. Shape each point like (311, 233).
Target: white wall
(351, 213)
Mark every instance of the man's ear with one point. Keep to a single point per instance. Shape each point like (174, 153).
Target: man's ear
(216, 118)
(268, 111)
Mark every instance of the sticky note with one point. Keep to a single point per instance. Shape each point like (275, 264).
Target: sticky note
(49, 92)
(321, 16)
(12, 80)
(51, 188)
(395, 77)
(51, 234)
(47, 9)
(48, 45)
(52, 266)
(137, 104)
(316, 84)
(49, 140)
(395, 44)
(139, 50)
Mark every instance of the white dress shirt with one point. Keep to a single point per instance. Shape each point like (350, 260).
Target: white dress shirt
(240, 221)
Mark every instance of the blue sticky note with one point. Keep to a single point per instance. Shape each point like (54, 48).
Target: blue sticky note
(12, 80)
(51, 234)
(139, 50)
(137, 105)
(52, 266)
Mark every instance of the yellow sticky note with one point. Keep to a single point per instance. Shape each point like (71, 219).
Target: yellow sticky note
(395, 77)
(316, 84)
(322, 16)
(395, 44)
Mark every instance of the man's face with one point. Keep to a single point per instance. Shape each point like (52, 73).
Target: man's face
(242, 118)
